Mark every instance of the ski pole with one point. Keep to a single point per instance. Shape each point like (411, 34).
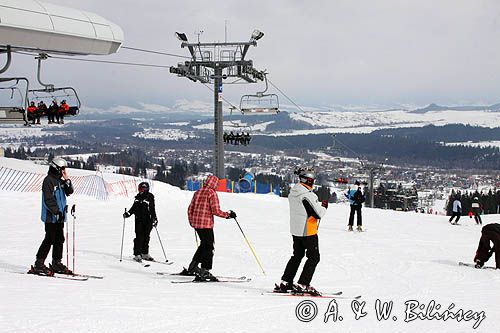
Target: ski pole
(73, 208)
(67, 239)
(250, 246)
(196, 238)
(166, 260)
(123, 233)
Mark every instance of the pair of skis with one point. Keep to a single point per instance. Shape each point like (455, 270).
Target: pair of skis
(72, 276)
(235, 279)
(474, 265)
(147, 263)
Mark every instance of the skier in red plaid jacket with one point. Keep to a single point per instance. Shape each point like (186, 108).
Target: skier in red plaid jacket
(201, 211)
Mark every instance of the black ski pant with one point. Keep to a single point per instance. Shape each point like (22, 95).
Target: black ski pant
(455, 214)
(141, 241)
(355, 209)
(477, 217)
(205, 252)
(54, 236)
(302, 245)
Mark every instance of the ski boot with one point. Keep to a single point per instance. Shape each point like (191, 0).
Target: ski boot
(58, 267)
(137, 258)
(147, 257)
(310, 290)
(349, 228)
(359, 228)
(204, 275)
(284, 287)
(39, 268)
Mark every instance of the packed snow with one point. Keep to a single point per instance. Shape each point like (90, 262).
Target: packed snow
(402, 257)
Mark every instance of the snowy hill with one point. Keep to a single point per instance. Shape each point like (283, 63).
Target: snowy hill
(402, 257)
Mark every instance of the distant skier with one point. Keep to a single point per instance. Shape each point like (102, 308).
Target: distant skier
(456, 211)
(489, 233)
(204, 205)
(55, 187)
(476, 210)
(305, 211)
(356, 199)
(145, 219)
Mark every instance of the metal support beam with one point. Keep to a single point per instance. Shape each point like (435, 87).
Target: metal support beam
(48, 86)
(9, 59)
(218, 128)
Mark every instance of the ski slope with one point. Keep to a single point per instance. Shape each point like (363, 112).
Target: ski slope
(402, 257)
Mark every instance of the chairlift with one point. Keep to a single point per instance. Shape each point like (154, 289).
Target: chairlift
(67, 94)
(260, 103)
(15, 113)
(49, 92)
(240, 138)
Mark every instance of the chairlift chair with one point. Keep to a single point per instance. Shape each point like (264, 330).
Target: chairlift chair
(15, 114)
(260, 103)
(47, 95)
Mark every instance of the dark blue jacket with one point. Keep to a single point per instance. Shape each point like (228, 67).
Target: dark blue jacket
(54, 192)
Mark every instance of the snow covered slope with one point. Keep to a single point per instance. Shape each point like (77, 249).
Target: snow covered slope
(402, 257)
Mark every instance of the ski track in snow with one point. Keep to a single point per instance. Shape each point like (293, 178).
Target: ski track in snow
(402, 256)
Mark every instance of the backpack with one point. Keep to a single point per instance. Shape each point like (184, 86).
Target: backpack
(358, 197)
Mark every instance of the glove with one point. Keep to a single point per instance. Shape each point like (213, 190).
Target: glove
(479, 263)
(232, 215)
(324, 203)
(59, 217)
(155, 223)
(126, 215)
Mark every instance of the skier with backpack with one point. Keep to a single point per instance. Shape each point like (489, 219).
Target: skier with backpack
(145, 219)
(56, 187)
(356, 199)
(305, 211)
(476, 209)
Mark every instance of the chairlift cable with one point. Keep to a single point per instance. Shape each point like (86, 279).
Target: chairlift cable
(112, 62)
(101, 61)
(155, 52)
(298, 107)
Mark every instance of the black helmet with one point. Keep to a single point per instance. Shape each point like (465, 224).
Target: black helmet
(143, 187)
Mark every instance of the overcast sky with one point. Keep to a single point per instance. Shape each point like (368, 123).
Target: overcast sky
(320, 53)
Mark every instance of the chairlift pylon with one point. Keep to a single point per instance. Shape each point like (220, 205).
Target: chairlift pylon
(260, 103)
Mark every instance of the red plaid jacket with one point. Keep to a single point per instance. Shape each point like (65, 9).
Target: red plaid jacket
(204, 205)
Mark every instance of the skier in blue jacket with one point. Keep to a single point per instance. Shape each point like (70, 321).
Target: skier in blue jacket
(56, 186)
(356, 199)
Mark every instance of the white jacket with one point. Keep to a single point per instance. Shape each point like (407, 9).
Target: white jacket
(300, 223)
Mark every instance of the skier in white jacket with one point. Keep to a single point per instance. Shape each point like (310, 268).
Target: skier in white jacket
(305, 211)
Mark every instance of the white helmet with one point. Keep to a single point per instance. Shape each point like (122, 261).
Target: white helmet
(306, 175)
(58, 163)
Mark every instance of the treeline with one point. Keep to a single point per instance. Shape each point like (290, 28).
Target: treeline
(415, 146)
(489, 201)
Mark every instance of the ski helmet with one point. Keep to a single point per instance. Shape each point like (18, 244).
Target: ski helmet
(58, 163)
(143, 187)
(307, 176)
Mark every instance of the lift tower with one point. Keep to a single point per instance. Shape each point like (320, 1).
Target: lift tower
(213, 63)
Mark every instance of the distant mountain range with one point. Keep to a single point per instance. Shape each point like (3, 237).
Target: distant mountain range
(435, 107)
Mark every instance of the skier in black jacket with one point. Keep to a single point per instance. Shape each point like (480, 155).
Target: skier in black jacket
(489, 233)
(145, 219)
(56, 186)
